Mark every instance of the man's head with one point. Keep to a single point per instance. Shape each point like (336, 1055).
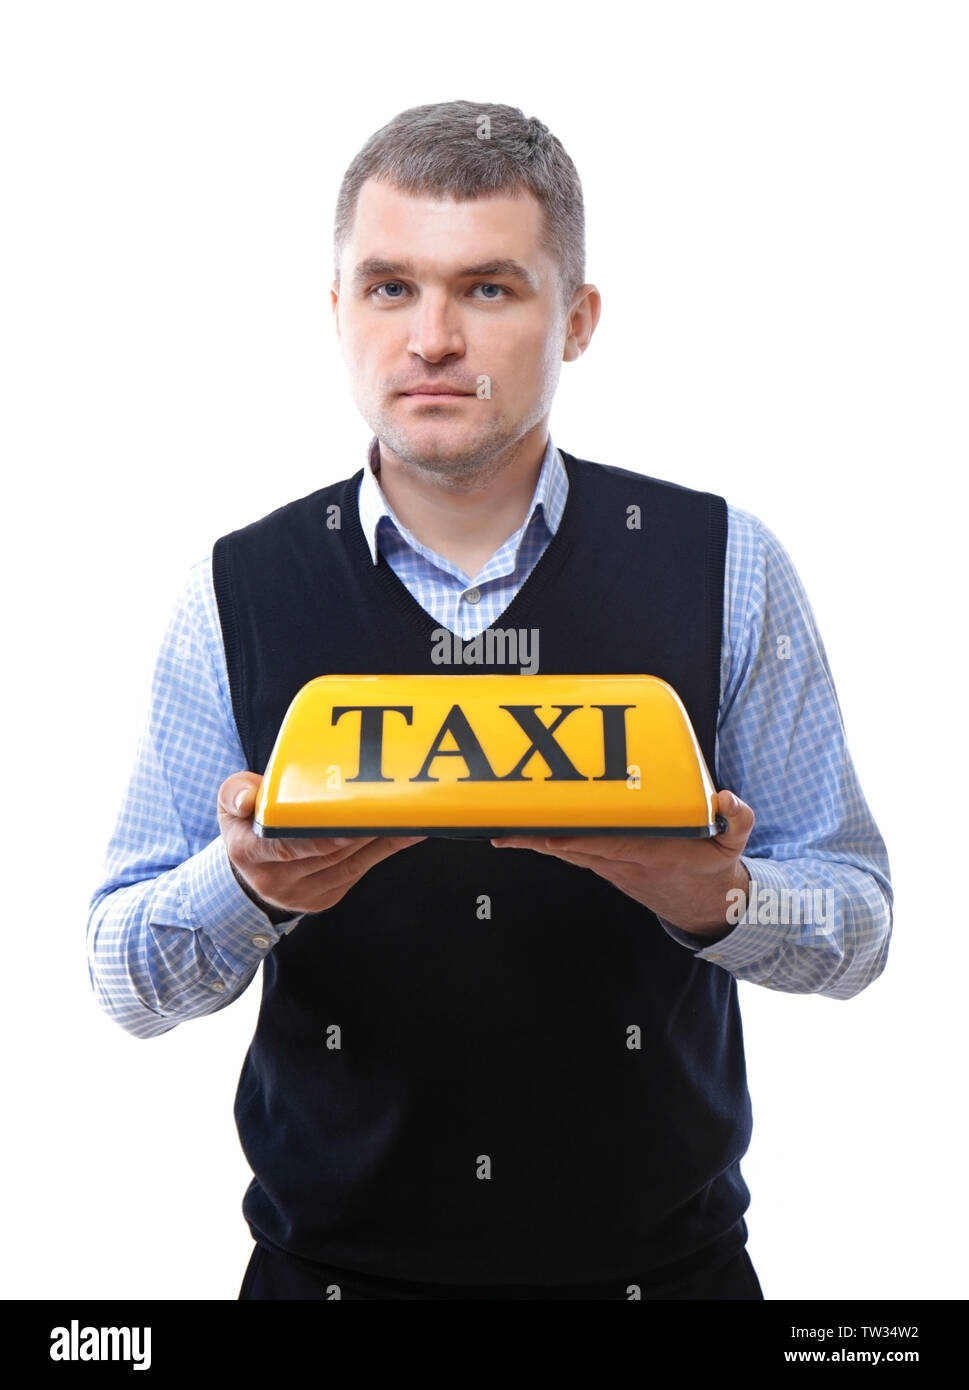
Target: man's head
(459, 253)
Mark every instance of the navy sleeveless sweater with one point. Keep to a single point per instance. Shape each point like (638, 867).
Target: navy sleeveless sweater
(439, 1096)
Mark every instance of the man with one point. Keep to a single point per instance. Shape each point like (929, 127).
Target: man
(550, 1100)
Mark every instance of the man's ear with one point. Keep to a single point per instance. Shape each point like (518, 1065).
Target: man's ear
(582, 319)
(335, 304)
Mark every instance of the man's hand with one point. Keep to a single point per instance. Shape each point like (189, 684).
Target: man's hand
(684, 881)
(298, 875)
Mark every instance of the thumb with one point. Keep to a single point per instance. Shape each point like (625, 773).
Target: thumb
(740, 822)
(237, 795)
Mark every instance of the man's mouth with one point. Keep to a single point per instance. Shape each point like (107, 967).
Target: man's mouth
(427, 392)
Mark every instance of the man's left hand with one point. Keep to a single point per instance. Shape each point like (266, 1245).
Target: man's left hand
(684, 881)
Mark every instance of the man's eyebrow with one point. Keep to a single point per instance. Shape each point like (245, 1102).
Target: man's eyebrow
(506, 268)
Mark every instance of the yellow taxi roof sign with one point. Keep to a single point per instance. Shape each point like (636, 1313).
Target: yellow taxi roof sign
(486, 755)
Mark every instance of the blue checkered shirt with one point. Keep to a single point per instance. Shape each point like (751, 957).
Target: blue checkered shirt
(172, 935)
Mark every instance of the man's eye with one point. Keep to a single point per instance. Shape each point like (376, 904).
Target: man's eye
(392, 286)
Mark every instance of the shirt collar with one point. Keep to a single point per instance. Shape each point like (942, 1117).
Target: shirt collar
(550, 494)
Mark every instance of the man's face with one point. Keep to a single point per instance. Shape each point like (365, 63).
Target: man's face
(459, 296)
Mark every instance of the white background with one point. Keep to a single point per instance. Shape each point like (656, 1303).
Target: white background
(777, 221)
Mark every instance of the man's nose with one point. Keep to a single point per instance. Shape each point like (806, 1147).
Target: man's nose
(436, 328)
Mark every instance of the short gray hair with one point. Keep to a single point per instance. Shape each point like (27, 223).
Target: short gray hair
(440, 150)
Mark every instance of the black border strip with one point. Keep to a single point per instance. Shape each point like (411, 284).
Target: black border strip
(485, 832)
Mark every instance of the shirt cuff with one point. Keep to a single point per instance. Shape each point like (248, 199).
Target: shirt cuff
(751, 941)
(204, 895)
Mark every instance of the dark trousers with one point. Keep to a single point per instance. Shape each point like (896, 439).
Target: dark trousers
(272, 1275)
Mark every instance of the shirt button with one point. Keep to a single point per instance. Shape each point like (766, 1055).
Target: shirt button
(472, 595)
(261, 941)
(219, 987)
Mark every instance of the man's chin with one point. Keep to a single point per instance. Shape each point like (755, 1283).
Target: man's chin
(444, 451)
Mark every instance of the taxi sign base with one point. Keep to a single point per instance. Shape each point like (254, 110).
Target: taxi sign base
(453, 832)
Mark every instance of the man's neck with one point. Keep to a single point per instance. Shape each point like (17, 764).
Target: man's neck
(464, 521)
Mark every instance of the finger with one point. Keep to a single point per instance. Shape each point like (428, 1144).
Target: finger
(333, 879)
(352, 866)
(237, 795)
(291, 849)
(305, 866)
(632, 849)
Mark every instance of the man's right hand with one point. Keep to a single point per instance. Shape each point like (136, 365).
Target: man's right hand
(298, 875)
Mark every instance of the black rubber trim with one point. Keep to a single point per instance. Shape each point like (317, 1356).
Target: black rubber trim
(484, 832)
